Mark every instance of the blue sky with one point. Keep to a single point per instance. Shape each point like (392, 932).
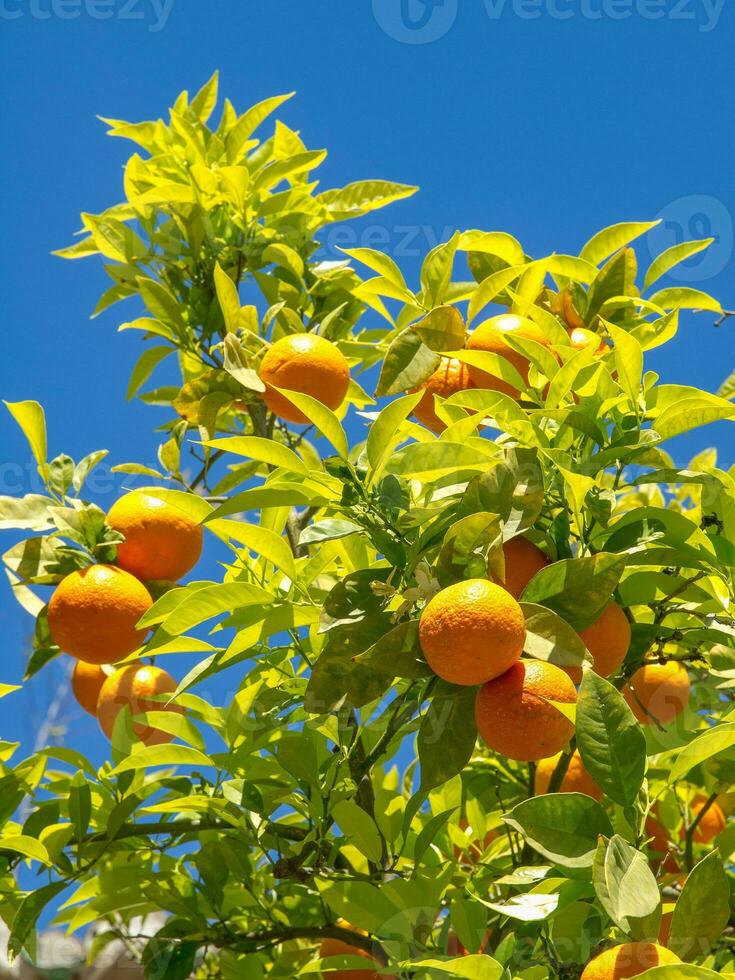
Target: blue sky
(546, 118)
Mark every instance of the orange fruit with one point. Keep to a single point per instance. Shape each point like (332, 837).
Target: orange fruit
(93, 614)
(490, 336)
(608, 640)
(628, 960)
(162, 542)
(514, 716)
(471, 632)
(581, 337)
(576, 779)
(306, 363)
(135, 687)
(522, 561)
(658, 692)
(711, 824)
(475, 847)
(451, 376)
(337, 947)
(86, 684)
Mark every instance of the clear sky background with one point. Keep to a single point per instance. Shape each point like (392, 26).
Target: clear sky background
(546, 118)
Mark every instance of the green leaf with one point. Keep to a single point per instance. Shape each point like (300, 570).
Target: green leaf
(702, 910)
(203, 103)
(602, 245)
(447, 736)
(29, 513)
(32, 421)
(80, 804)
(685, 298)
(29, 847)
(397, 652)
(360, 827)
(672, 257)
(361, 197)
(382, 264)
(436, 271)
(610, 741)
(627, 888)
(491, 287)
(228, 298)
(246, 125)
(628, 355)
(408, 363)
(551, 638)
(264, 542)
(727, 389)
(162, 755)
(6, 689)
(709, 744)
(144, 368)
(205, 603)
(330, 530)
(443, 329)
(386, 433)
(264, 450)
(577, 588)
(325, 420)
(466, 545)
(564, 827)
(691, 413)
(617, 278)
(28, 913)
(476, 967)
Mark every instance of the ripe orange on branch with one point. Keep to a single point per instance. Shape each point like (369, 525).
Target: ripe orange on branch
(491, 336)
(450, 377)
(471, 632)
(515, 713)
(658, 692)
(711, 824)
(135, 687)
(337, 947)
(522, 561)
(93, 614)
(162, 542)
(305, 363)
(86, 684)
(628, 960)
(576, 778)
(608, 640)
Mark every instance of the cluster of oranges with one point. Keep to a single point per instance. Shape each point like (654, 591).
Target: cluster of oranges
(474, 633)
(94, 612)
(311, 365)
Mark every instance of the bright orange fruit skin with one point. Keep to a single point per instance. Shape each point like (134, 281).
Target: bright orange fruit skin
(576, 779)
(608, 640)
(450, 377)
(134, 687)
(93, 613)
(711, 824)
(86, 684)
(658, 692)
(161, 540)
(337, 947)
(305, 363)
(471, 632)
(522, 561)
(660, 845)
(514, 717)
(628, 960)
(490, 336)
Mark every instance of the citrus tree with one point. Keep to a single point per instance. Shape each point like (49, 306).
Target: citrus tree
(479, 643)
